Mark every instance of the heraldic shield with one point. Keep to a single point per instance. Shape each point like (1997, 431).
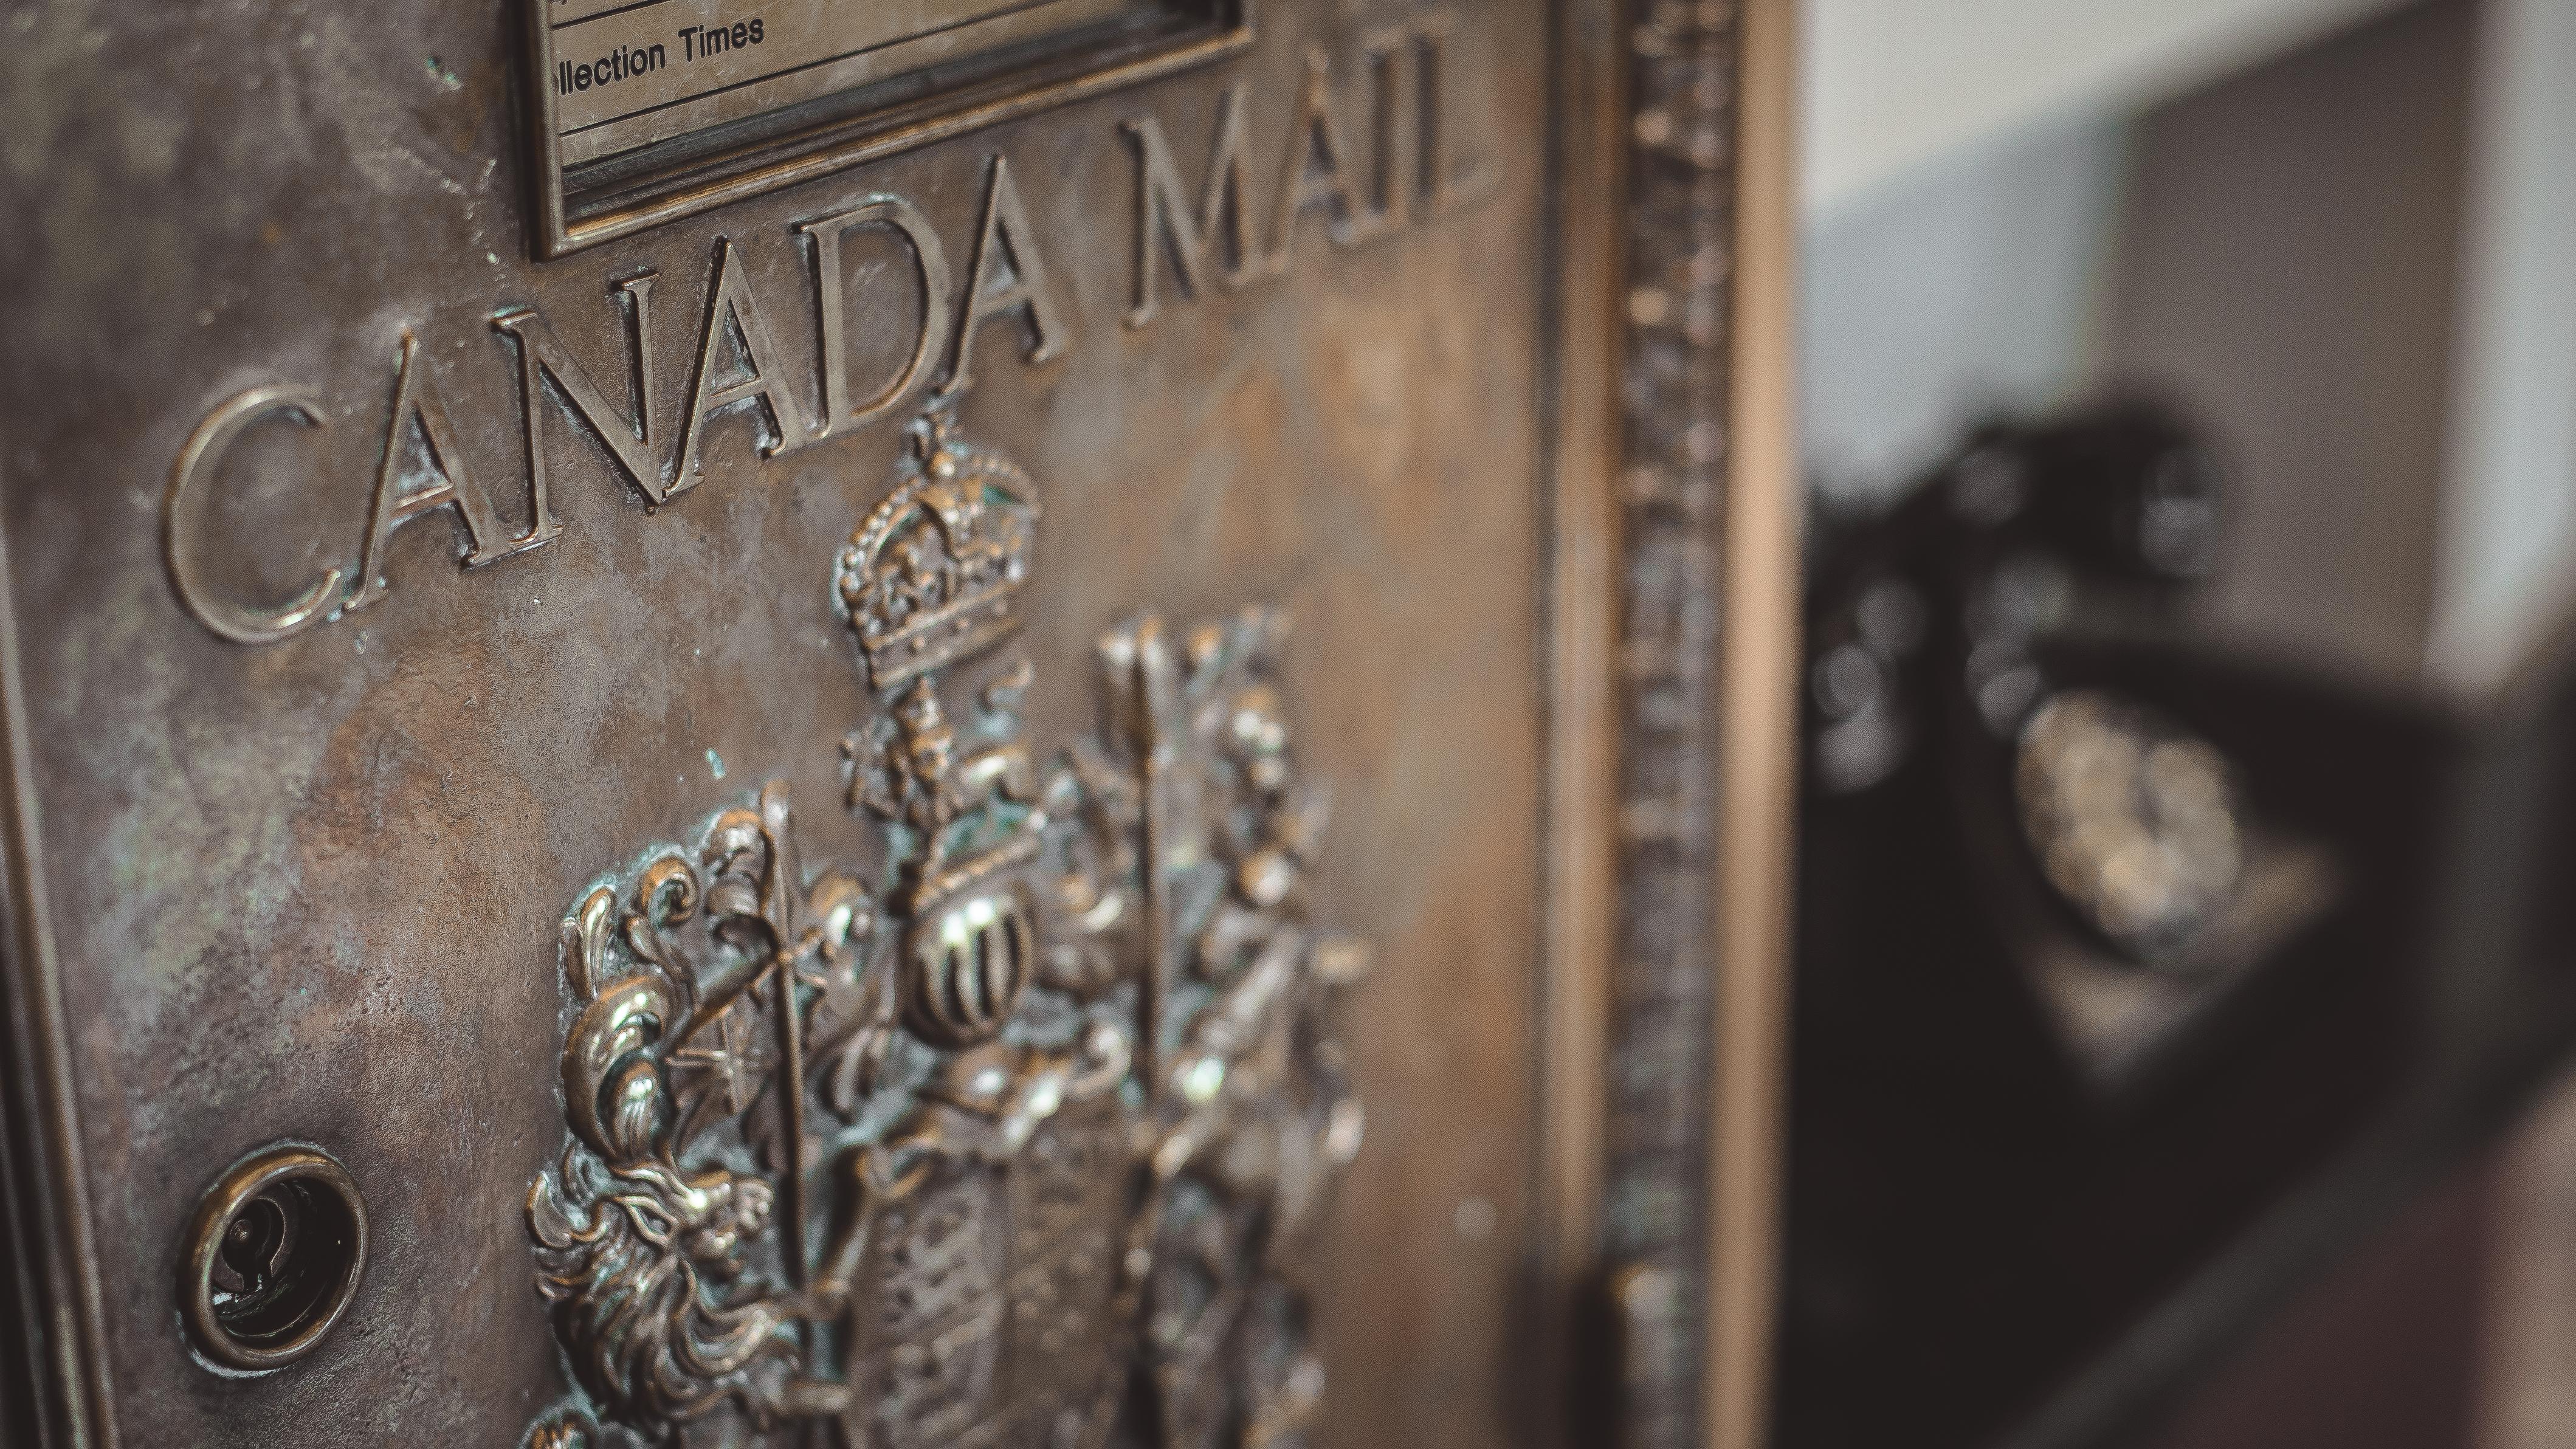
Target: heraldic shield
(1007, 1141)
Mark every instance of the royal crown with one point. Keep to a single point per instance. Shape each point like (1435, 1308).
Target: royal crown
(931, 575)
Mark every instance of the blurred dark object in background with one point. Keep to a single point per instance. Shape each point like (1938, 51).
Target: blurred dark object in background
(2137, 978)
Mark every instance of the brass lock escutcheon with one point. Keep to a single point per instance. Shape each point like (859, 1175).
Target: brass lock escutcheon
(273, 1258)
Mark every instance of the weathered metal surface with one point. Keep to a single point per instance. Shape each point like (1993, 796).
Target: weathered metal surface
(305, 839)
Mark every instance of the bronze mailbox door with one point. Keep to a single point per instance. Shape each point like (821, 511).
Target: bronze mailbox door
(926, 724)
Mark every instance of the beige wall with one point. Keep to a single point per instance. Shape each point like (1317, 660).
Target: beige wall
(2287, 270)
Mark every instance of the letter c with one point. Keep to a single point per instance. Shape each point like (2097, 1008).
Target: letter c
(205, 449)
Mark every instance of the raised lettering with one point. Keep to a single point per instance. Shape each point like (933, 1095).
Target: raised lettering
(1444, 186)
(1401, 165)
(543, 358)
(1163, 217)
(1393, 99)
(1314, 173)
(733, 313)
(1006, 275)
(417, 404)
(205, 449)
(831, 315)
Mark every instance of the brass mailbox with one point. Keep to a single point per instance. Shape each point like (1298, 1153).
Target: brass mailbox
(907, 724)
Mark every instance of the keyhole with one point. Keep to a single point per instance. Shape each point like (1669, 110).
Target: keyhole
(257, 1244)
(274, 1258)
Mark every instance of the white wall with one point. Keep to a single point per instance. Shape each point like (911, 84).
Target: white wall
(1966, 287)
(1893, 84)
(2505, 573)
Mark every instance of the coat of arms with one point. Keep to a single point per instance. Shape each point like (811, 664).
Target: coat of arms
(1008, 1144)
